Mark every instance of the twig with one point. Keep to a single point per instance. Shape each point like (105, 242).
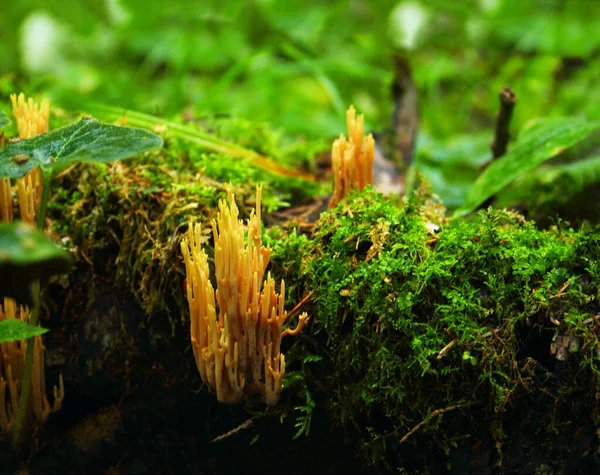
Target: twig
(305, 299)
(433, 414)
(508, 100)
(587, 321)
(244, 425)
(499, 145)
(150, 236)
(561, 292)
(446, 349)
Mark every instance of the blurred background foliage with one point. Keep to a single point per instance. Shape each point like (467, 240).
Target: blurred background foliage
(297, 65)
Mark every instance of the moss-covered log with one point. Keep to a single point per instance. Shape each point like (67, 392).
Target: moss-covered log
(433, 344)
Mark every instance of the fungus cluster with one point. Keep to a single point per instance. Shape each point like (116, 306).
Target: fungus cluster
(352, 158)
(236, 331)
(31, 120)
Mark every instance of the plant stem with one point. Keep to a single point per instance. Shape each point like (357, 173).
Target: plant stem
(33, 320)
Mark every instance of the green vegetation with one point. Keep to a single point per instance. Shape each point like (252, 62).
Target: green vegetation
(87, 141)
(26, 256)
(406, 325)
(150, 204)
(458, 317)
(543, 140)
(400, 314)
(298, 68)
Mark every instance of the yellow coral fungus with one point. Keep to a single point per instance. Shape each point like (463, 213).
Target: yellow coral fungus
(236, 331)
(352, 158)
(28, 192)
(31, 120)
(12, 367)
(6, 205)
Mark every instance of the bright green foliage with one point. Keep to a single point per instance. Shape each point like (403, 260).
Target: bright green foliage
(545, 139)
(299, 66)
(4, 121)
(548, 31)
(87, 140)
(403, 323)
(414, 323)
(13, 329)
(203, 139)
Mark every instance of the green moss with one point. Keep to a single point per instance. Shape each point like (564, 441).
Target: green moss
(417, 327)
(127, 219)
(416, 337)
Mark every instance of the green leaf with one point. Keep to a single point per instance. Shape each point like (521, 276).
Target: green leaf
(13, 329)
(4, 121)
(545, 139)
(27, 255)
(87, 140)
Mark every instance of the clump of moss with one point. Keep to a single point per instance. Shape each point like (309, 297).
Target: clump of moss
(422, 339)
(127, 219)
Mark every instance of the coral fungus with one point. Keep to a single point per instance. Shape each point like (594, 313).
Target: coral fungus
(31, 121)
(352, 158)
(237, 352)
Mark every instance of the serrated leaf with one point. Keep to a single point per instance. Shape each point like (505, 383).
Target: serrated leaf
(544, 140)
(27, 255)
(13, 329)
(4, 121)
(88, 140)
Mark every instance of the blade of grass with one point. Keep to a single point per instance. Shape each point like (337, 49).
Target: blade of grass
(189, 133)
